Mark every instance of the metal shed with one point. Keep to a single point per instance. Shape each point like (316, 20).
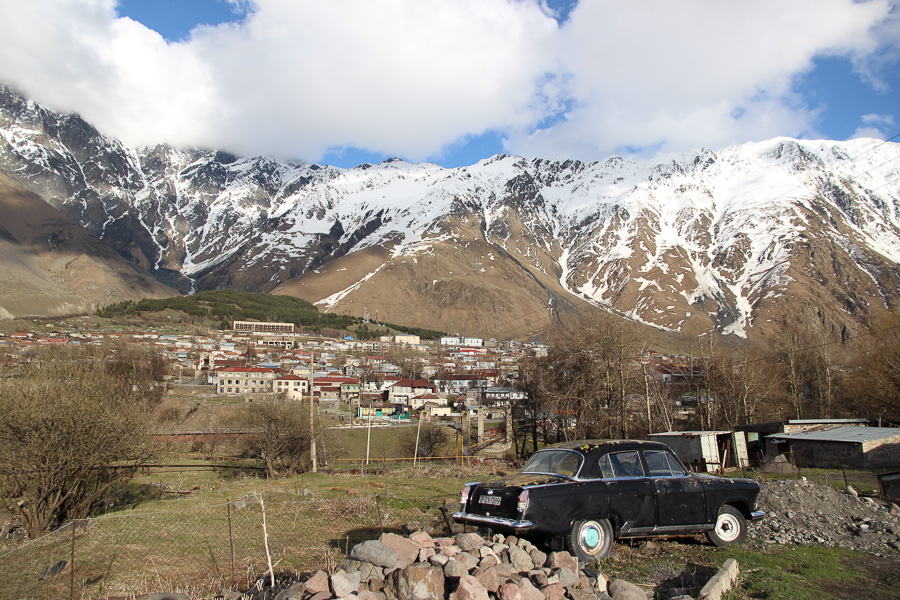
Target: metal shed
(834, 446)
(711, 451)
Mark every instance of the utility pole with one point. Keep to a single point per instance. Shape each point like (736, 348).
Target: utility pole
(312, 416)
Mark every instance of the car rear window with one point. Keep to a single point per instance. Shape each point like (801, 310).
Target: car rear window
(618, 465)
(561, 462)
(661, 464)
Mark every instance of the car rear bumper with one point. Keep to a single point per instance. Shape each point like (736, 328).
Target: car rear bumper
(756, 515)
(494, 522)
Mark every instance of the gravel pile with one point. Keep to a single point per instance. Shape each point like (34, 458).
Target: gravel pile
(806, 513)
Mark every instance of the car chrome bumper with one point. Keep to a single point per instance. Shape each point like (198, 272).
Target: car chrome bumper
(499, 522)
(756, 515)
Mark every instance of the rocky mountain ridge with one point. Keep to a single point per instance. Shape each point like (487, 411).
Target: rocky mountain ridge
(735, 239)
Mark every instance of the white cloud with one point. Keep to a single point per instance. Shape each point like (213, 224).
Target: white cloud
(662, 75)
(874, 126)
(409, 77)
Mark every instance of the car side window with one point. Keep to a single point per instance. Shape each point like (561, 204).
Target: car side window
(618, 465)
(661, 464)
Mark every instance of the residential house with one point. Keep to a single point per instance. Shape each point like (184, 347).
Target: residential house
(232, 381)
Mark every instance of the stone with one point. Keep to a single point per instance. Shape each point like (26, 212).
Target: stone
(349, 565)
(488, 561)
(554, 591)
(454, 568)
(425, 554)
(529, 591)
(321, 596)
(490, 578)
(317, 583)
(538, 577)
(441, 542)
(375, 552)
(419, 582)
(520, 560)
(581, 594)
(537, 557)
(422, 539)
(370, 595)
(558, 560)
(567, 577)
(469, 589)
(468, 542)
(369, 572)
(406, 550)
(469, 561)
(439, 560)
(851, 490)
(344, 584)
(510, 591)
(620, 589)
(294, 592)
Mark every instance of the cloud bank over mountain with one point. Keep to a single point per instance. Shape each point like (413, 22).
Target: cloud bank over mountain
(417, 77)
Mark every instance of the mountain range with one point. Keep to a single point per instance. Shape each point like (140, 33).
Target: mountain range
(735, 240)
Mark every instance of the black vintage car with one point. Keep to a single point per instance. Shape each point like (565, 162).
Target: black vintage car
(591, 492)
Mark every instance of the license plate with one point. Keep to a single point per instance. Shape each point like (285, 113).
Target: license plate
(492, 500)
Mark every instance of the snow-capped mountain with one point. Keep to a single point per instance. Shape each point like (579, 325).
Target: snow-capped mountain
(732, 239)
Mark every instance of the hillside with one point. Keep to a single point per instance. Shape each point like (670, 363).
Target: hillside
(52, 266)
(736, 240)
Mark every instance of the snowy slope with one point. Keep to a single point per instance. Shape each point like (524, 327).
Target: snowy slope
(684, 242)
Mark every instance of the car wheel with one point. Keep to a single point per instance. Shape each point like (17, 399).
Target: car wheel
(731, 527)
(591, 540)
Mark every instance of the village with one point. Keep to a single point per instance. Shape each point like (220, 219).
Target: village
(467, 382)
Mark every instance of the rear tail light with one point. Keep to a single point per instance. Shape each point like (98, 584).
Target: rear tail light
(464, 496)
(522, 502)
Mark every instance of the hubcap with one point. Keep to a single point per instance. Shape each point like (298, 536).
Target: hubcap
(590, 536)
(727, 528)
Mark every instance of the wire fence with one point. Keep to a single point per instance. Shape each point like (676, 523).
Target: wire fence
(203, 551)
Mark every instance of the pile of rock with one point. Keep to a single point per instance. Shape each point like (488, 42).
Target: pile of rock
(463, 567)
(806, 513)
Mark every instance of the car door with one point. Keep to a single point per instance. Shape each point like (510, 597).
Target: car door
(680, 498)
(631, 492)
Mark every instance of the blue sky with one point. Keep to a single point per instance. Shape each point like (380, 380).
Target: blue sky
(456, 81)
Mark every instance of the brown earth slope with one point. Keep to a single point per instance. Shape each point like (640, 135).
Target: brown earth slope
(51, 266)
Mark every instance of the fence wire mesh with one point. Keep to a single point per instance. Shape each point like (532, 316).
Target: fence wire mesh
(204, 550)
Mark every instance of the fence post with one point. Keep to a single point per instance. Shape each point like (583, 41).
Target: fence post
(231, 540)
(72, 565)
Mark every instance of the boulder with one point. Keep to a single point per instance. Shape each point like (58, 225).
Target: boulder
(407, 551)
(418, 582)
(469, 589)
(317, 583)
(620, 589)
(373, 551)
(344, 584)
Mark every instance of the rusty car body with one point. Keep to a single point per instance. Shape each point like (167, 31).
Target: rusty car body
(589, 493)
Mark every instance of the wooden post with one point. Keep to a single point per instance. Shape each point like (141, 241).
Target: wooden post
(231, 540)
(72, 566)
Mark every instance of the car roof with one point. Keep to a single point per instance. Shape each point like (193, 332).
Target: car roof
(587, 446)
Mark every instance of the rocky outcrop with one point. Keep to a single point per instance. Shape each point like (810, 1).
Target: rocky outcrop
(463, 567)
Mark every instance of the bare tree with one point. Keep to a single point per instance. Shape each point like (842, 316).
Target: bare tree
(432, 438)
(279, 434)
(71, 433)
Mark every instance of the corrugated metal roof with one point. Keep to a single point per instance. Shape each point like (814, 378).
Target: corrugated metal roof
(840, 433)
(689, 434)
